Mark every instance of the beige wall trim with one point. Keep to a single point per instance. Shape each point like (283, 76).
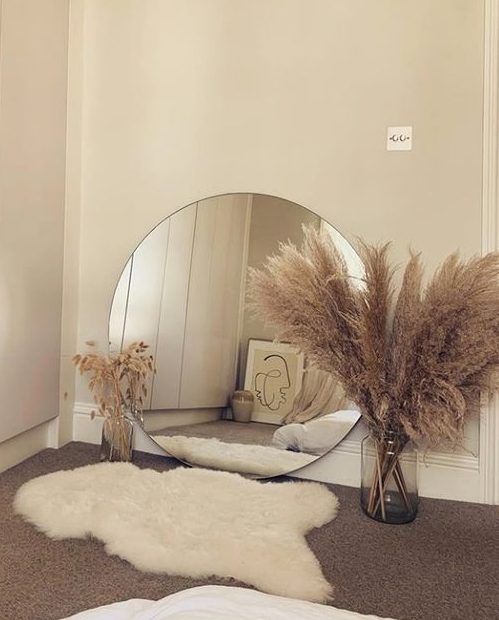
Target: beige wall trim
(53, 430)
(23, 446)
(89, 430)
(72, 216)
(489, 420)
(85, 428)
(441, 475)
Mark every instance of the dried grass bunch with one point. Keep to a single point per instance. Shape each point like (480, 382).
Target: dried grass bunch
(414, 365)
(118, 381)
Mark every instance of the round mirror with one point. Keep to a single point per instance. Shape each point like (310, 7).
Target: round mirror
(224, 394)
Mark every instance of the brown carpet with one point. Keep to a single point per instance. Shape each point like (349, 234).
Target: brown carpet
(443, 566)
(226, 430)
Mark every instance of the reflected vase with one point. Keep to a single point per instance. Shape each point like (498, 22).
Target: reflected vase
(242, 404)
(117, 439)
(389, 491)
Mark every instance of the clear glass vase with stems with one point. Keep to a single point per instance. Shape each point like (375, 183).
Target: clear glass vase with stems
(117, 439)
(134, 413)
(389, 491)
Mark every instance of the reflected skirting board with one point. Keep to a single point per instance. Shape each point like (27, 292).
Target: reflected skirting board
(441, 475)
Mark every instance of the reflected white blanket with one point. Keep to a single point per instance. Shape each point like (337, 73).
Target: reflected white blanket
(235, 457)
(317, 436)
(219, 603)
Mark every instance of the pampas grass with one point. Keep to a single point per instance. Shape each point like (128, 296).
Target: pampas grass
(415, 362)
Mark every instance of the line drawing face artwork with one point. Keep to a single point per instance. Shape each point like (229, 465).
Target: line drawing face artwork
(274, 375)
(272, 385)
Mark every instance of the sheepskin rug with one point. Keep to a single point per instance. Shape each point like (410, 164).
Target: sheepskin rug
(236, 457)
(189, 522)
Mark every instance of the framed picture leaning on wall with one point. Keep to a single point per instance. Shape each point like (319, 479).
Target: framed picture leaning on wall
(274, 374)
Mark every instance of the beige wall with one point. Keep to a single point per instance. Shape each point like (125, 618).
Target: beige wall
(187, 98)
(33, 70)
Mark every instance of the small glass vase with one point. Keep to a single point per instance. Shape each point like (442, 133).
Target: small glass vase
(135, 414)
(117, 436)
(389, 491)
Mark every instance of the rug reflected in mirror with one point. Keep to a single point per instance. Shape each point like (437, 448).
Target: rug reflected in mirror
(189, 522)
(234, 457)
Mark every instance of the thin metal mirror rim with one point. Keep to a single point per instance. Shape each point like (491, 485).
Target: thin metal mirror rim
(352, 258)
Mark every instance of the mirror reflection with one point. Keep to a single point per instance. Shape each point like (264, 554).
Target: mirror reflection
(225, 395)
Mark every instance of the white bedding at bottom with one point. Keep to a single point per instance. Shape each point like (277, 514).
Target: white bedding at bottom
(219, 603)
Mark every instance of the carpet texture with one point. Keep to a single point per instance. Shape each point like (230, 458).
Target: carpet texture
(189, 522)
(442, 566)
(225, 430)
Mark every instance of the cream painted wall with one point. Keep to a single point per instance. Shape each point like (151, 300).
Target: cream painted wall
(33, 70)
(184, 99)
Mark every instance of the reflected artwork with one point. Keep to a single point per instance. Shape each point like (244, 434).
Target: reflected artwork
(274, 376)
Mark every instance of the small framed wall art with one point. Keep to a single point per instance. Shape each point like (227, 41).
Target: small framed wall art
(274, 374)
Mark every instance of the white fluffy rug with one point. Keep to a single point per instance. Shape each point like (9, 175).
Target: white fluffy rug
(189, 522)
(235, 457)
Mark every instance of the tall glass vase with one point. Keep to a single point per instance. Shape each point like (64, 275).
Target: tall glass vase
(389, 491)
(117, 436)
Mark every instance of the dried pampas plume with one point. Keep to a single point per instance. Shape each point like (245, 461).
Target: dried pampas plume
(414, 364)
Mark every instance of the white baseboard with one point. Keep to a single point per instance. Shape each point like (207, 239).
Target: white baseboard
(53, 433)
(489, 449)
(89, 430)
(22, 446)
(441, 475)
(85, 428)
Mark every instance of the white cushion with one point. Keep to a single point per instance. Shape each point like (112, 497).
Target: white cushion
(317, 436)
